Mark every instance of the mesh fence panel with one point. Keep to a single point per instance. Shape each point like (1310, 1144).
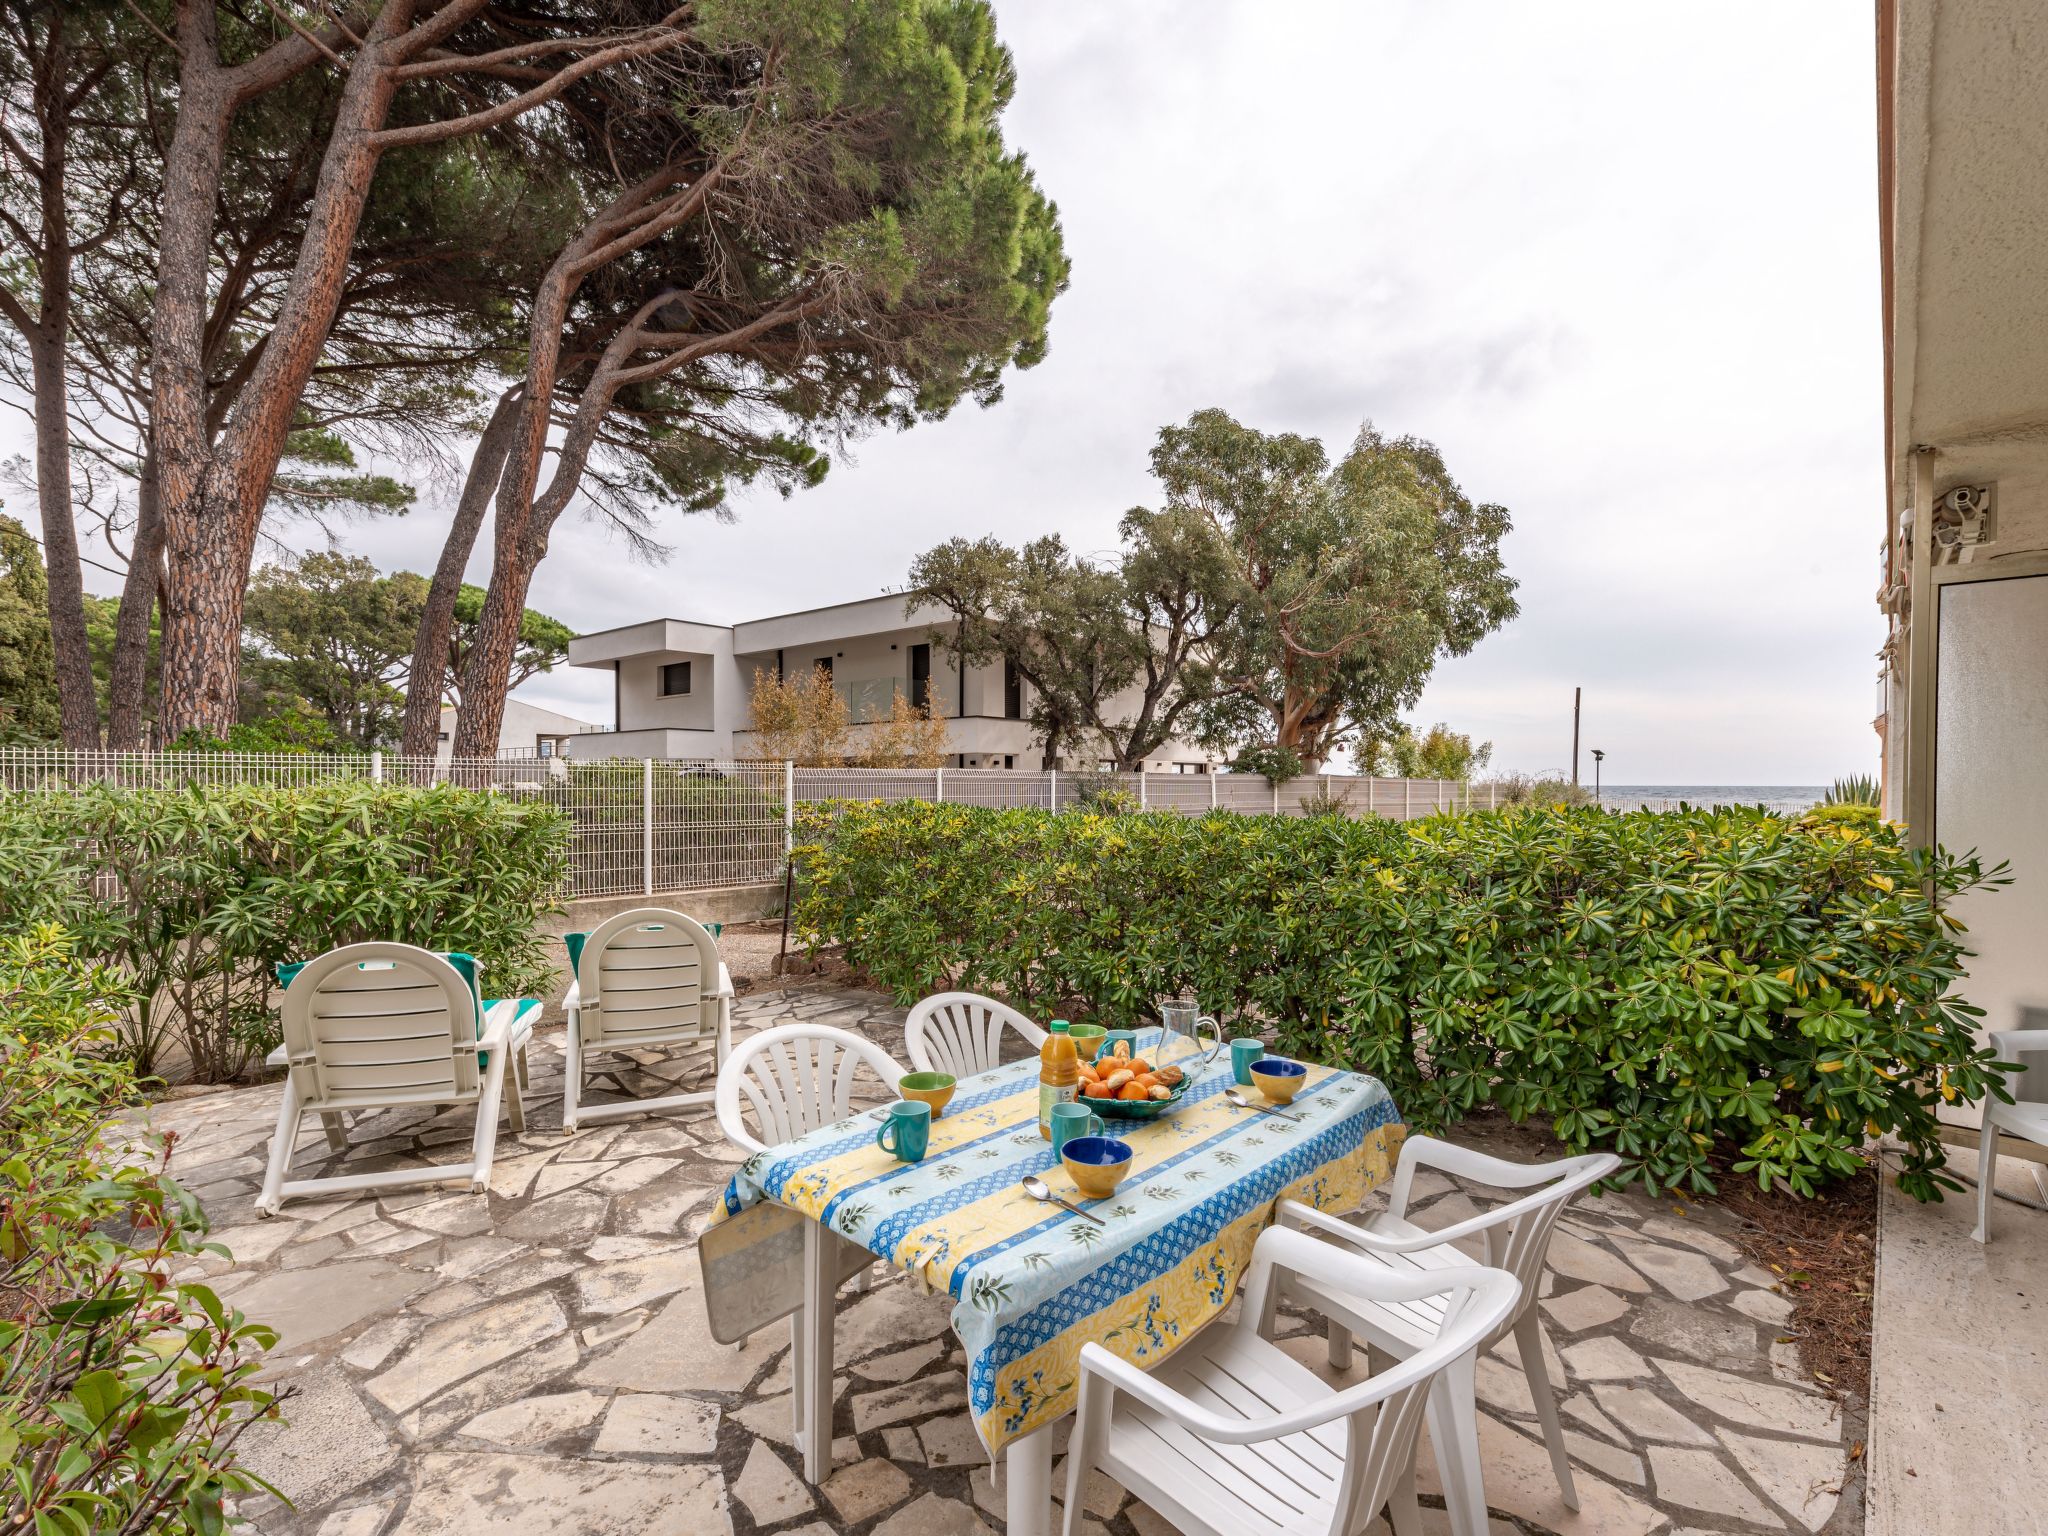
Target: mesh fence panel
(641, 825)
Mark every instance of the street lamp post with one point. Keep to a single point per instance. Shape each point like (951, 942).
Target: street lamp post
(1598, 757)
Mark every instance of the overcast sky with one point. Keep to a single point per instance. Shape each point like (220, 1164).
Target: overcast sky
(1619, 261)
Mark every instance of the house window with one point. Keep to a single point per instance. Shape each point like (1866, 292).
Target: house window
(1013, 691)
(1190, 767)
(1009, 760)
(824, 665)
(675, 678)
(920, 676)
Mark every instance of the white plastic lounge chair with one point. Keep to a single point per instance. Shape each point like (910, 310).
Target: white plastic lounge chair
(1234, 1437)
(644, 978)
(386, 1026)
(962, 1033)
(794, 1079)
(1517, 1240)
(2024, 1118)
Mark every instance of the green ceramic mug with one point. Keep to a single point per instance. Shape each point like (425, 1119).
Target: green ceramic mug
(907, 1133)
(1071, 1120)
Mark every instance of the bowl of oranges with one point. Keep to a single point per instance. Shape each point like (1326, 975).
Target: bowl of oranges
(1120, 1084)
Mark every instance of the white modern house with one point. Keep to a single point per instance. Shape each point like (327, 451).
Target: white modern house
(525, 728)
(681, 688)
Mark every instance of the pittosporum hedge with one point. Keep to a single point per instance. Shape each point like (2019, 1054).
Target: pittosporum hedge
(1670, 985)
(195, 894)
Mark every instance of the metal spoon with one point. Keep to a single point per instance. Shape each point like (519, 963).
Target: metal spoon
(1265, 1109)
(1038, 1189)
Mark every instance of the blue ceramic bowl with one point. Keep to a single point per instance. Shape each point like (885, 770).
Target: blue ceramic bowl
(1278, 1079)
(1096, 1164)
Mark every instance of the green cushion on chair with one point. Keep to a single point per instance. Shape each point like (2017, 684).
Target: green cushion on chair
(576, 941)
(465, 967)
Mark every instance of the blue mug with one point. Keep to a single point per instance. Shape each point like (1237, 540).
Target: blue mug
(1071, 1120)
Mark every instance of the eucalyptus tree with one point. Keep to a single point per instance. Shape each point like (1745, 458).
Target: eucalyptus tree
(1115, 652)
(1350, 580)
(820, 233)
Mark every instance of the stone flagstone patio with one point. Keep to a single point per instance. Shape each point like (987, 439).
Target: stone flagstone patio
(537, 1360)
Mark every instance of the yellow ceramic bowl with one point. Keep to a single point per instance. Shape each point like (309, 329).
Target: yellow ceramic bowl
(1278, 1080)
(933, 1088)
(1096, 1164)
(1087, 1039)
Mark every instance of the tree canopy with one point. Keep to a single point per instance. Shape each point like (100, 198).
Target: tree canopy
(1351, 581)
(1271, 601)
(28, 674)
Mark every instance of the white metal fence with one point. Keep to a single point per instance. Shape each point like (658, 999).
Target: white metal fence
(645, 826)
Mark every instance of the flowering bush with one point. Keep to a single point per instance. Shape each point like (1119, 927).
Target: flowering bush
(1670, 985)
(121, 1392)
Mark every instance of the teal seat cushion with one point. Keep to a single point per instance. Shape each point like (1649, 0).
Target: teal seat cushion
(576, 941)
(465, 967)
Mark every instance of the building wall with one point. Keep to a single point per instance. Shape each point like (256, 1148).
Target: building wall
(642, 706)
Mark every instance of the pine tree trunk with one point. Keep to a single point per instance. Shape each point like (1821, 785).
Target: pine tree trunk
(489, 668)
(213, 491)
(208, 541)
(128, 676)
(426, 684)
(77, 703)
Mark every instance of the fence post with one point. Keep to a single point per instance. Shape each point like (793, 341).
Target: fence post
(1276, 797)
(939, 786)
(1052, 789)
(647, 824)
(1491, 789)
(376, 767)
(1143, 803)
(1212, 788)
(788, 806)
(1407, 799)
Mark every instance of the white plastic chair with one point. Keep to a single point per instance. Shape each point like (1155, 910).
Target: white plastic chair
(384, 1026)
(1233, 1437)
(646, 977)
(795, 1079)
(1517, 1240)
(962, 1033)
(2024, 1118)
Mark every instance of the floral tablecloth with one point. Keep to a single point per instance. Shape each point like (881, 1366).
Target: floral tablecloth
(1031, 1282)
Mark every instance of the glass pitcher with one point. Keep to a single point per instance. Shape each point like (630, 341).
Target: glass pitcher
(1182, 1024)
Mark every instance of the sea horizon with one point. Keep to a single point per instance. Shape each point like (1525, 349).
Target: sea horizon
(1783, 798)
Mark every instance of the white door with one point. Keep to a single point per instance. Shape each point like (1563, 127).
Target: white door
(1991, 786)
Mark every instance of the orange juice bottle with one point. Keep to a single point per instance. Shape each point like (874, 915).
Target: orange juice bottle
(1059, 1074)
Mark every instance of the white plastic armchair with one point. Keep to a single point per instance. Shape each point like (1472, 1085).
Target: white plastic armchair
(1517, 1234)
(2024, 1118)
(962, 1033)
(795, 1078)
(646, 977)
(1234, 1437)
(388, 1026)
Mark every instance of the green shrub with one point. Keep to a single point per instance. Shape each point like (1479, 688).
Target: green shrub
(196, 894)
(1670, 985)
(122, 1392)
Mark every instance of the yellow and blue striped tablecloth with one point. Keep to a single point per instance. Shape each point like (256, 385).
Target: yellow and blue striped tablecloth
(1032, 1283)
